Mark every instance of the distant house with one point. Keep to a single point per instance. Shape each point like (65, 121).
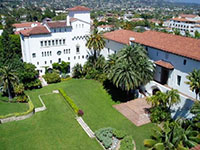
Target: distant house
(137, 19)
(105, 28)
(25, 25)
(155, 21)
(174, 56)
(184, 23)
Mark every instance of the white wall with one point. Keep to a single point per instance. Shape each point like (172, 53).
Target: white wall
(82, 15)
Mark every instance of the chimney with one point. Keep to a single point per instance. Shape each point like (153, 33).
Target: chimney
(68, 20)
(131, 41)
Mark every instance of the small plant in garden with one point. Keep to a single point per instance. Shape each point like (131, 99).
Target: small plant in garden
(127, 143)
(105, 135)
(119, 134)
(80, 112)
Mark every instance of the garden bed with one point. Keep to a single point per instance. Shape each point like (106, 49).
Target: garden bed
(113, 139)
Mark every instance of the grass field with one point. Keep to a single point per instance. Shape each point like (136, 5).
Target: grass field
(8, 108)
(56, 127)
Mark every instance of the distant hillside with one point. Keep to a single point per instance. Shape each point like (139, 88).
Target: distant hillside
(184, 1)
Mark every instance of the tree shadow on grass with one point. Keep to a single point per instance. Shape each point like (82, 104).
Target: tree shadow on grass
(116, 93)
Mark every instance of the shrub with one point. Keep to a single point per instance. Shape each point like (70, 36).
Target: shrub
(126, 143)
(22, 98)
(69, 100)
(119, 134)
(80, 112)
(159, 114)
(105, 135)
(52, 78)
(33, 84)
(19, 89)
(77, 71)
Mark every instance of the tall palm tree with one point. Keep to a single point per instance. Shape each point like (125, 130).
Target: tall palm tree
(194, 81)
(131, 68)
(8, 78)
(173, 97)
(95, 43)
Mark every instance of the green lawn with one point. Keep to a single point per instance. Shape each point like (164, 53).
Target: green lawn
(56, 127)
(8, 108)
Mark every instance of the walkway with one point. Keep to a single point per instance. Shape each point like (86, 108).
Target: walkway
(135, 111)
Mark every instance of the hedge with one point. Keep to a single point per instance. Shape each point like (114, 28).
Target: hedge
(31, 108)
(69, 100)
(126, 143)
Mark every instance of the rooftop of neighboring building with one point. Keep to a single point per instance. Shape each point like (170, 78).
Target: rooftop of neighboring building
(79, 8)
(57, 24)
(106, 26)
(179, 45)
(25, 24)
(35, 31)
(188, 15)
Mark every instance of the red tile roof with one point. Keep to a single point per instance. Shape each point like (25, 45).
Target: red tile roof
(179, 45)
(79, 8)
(196, 148)
(188, 16)
(182, 20)
(106, 26)
(164, 64)
(35, 31)
(73, 19)
(25, 24)
(57, 24)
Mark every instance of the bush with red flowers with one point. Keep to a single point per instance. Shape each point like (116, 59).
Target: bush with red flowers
(80, 112)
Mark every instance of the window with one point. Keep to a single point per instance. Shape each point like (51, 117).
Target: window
(53, 42)
(83, 56)
(69, 51)
(34, 55)
(56, 42)
(45, 53)
(45, 62)
(59, 53)
(48, 53)
(157, 53)
(74, 57)
(50, 61)
(77, 49)
(49, 42)
(37, 63)
(184, 61)
(115, 52)
(86, 56)
(178, 80)
(63, 41)
(82, 25)
(60, 30)
(68, 58)
(64, 51)
(108, 50)
(59, 60)
(45, 43)
(60, 42)
(41, 43)
(54, 30)
(42, 54)
(78, 57)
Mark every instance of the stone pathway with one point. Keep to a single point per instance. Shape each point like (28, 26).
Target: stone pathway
(43, 82)
(85, 127)
(135, 111)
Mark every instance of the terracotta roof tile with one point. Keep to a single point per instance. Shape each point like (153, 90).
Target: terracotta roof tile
(57, 24)
(164, 64)
(179, 45)
(106, 26)
(35, 31)
(188, 16)
(196, 148)
(79, 8)
(73, 19)
(25, 24)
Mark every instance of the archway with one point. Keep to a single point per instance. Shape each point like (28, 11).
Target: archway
(155, 90)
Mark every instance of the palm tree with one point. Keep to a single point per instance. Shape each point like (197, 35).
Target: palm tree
(166, 100)
(95, 43)
(77, 71)
(194, 81)
(8, 78)
(176, 135)
(130, 68)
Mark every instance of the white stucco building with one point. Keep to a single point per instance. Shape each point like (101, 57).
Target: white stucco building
(185, 22)
(105, 28)
(174, 56)
(57, 41)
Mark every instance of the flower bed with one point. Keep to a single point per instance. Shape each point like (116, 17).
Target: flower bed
(110, 137)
